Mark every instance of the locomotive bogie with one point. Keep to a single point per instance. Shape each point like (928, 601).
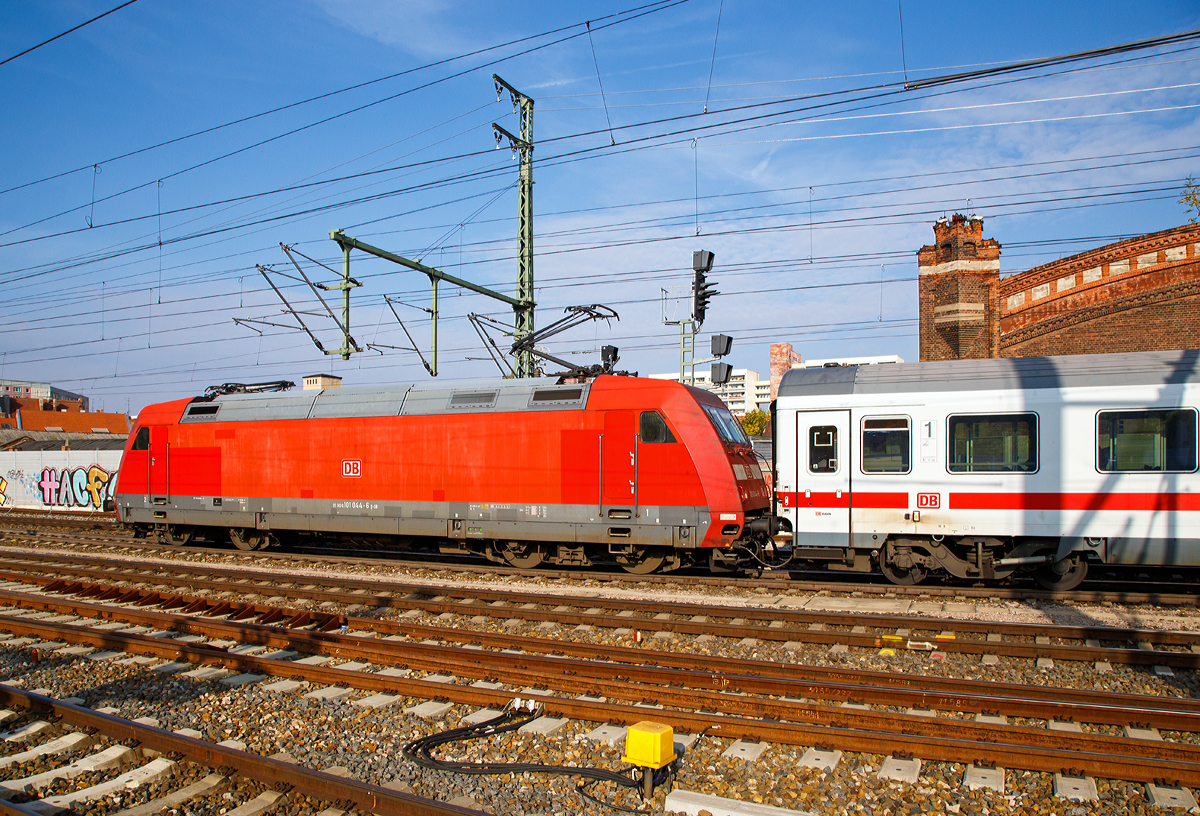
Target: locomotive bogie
(982, 468)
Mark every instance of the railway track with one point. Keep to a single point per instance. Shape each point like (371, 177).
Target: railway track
(119, 757)
(469, 650)
(770, 620)
(1147, 587)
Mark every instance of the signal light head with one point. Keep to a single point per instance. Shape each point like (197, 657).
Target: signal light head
(702, 292)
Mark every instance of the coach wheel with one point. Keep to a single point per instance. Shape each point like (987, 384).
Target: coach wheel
(898, 566)
(177, 535)
(248, 539)
(643, 560)
(524, 556)
(1063, 575)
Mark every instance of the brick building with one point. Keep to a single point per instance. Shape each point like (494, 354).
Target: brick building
(42, 407)
(43, 396)
(957, 281)
(783, 359)
(1141, 294)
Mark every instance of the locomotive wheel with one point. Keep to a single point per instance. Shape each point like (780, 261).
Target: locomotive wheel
(906, 575)
(524, 556)
(642, 561)
(248, 539)
(1050, 578)
(177, 535)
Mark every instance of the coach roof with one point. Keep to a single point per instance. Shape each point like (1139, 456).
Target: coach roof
(1076, 370)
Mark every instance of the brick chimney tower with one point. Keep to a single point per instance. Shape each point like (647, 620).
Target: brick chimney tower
(783, 358)
(960, 318)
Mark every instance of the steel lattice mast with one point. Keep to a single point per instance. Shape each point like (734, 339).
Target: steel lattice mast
(526, 366)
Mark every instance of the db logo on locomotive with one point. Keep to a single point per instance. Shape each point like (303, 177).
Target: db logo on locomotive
(351, 468)
(929, 501)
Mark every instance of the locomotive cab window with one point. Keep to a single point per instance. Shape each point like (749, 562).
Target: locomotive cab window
(1161, 440)
(728, 428)
(885, 445)
(822, 449)
(653, 429)
(993, 443)
(142, 440)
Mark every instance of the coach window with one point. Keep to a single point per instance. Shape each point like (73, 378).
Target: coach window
(654, 429)
(822, 449)
(142, 440)
(1161, 440)
(885, 445)
(993, 443)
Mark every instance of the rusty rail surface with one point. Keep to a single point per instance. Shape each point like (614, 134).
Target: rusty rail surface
(318, 784)
(402, 595)
(778, 579)
(652, 666)
(743, 717)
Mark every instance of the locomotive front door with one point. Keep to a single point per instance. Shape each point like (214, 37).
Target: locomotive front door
(618, 460)
(823, 466)
(158, 465)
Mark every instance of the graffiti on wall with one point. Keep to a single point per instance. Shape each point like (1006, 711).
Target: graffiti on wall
(76, 487)
(83, 488)
(79, 481)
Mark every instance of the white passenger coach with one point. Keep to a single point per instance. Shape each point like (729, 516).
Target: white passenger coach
(979, 468)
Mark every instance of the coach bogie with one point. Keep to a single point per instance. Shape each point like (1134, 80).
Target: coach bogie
(1063, 575)
(902, 563)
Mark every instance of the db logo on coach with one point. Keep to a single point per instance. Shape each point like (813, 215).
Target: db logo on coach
(351, 468)
(929, 501)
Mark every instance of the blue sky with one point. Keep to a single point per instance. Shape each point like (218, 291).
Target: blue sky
(814, 175)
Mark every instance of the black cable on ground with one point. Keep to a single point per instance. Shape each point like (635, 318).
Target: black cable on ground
(421, 750)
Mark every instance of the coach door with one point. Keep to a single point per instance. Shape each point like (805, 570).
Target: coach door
(158, 466)
(618, 461)
(823, 465)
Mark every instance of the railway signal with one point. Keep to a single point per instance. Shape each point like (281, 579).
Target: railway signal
(702, 291)
(721, 345)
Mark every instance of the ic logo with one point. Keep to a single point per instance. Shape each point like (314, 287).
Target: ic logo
(351, 468)
(929, 501)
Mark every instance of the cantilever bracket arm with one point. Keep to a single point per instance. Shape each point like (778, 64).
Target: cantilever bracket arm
(424, 362)
(489, 345)
(502, 86)
(515, 142)
(350, 283)
(263, 271)
(345, 240)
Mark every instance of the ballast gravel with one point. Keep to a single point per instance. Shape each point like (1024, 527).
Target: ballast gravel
(366, 744)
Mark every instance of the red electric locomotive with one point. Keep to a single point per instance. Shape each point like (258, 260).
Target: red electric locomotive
(649, 473)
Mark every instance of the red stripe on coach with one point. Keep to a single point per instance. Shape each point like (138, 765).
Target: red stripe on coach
(1148, 502)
